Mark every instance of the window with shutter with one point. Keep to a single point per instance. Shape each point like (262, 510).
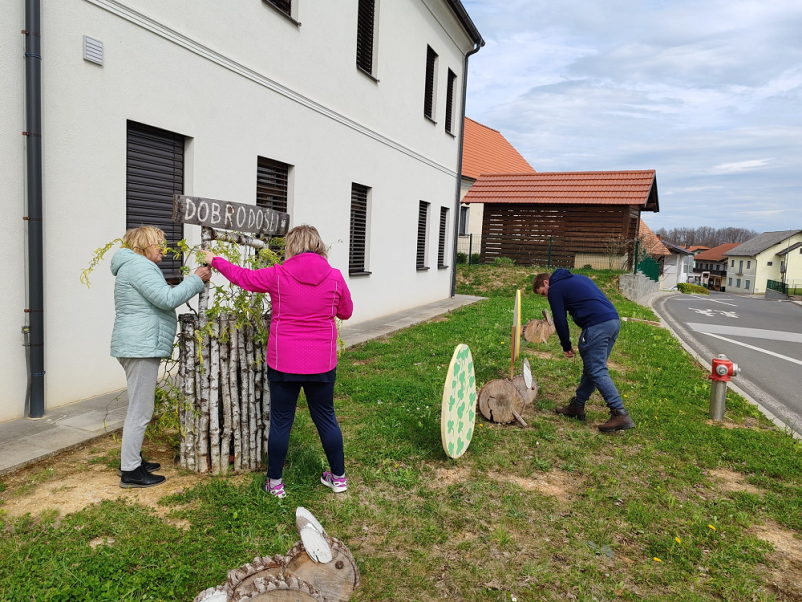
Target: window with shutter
(450, 100)
(463, 221)
(154, 173)
(364, 35)
(441, 241)
(357, 252)
(423, 214)
(431, 72)
(271, 184)
(284, 6)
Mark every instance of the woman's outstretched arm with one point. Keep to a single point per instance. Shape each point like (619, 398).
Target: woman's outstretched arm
(256, 281)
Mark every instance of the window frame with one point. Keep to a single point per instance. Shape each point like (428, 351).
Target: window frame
(430, 85)
(353, 248)
(442, 238)
(371, 72)
(422, 247)
(262, 165)
(291, 14)
(464, 212)
(449, 116)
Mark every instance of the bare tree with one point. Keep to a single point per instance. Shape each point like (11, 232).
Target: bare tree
(706, 235)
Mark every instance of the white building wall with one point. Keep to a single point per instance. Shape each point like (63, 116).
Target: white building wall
(215, 75)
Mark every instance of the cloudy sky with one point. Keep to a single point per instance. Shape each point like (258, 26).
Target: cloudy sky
(706, 93)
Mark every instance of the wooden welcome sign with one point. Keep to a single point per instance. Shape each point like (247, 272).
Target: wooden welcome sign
(226, 215)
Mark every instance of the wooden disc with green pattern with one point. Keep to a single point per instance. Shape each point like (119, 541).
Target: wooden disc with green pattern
(458, 414)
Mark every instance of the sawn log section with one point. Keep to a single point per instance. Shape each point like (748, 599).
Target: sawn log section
(226, 215)
(541, 234)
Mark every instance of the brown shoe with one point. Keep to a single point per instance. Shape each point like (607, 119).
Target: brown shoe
(618, 422)
(572, 410)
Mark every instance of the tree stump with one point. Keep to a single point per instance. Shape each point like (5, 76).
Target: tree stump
(239, 582)
(336, 580)
(278, 588)
(498, 399)
(539, 331)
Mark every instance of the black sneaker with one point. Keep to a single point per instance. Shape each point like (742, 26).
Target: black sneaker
(148, 466)
(140, 478)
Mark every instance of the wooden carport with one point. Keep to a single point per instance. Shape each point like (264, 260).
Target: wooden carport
(553, 218)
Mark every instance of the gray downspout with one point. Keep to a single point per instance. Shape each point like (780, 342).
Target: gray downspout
(475, 49)
(33, 147)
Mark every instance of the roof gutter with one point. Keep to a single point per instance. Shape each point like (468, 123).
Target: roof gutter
(33, 168)
(477, 45)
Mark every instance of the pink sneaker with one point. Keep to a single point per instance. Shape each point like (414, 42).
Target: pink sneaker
(337, 485)
(274, 490)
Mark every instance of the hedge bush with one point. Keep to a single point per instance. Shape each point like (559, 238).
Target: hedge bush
(687, 288)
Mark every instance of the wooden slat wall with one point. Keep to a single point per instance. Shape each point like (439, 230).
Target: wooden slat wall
(525, 232)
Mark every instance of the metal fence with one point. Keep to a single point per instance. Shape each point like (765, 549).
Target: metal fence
(468, 250)
(792, 287)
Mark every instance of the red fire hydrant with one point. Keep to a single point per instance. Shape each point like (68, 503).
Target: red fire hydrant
(722, 370)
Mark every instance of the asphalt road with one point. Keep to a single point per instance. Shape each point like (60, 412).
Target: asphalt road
(764, 337)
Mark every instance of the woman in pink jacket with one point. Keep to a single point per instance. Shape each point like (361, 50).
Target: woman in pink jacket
(306, 295)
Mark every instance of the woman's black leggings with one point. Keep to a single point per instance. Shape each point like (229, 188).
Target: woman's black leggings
(283, 399)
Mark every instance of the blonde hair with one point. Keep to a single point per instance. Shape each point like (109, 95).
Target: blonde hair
(301, 239)
(139, 239)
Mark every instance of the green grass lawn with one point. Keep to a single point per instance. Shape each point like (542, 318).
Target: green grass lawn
(554, 511)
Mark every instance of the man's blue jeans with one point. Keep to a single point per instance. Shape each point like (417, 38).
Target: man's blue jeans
(595, 345)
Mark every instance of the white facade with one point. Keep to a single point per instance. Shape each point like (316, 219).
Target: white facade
(676, 269)
(238, 84)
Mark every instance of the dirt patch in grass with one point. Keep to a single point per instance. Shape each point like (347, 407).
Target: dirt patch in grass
(785, 577)
(363, 362)
(78, 478)
(445, 476)
(544, 355)
(729, 482)
(731, 424)
(616, 367)
(556, 483)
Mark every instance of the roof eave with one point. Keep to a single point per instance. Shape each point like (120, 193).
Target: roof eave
(466, 22)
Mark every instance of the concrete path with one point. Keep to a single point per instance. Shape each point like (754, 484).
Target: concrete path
(25, 441)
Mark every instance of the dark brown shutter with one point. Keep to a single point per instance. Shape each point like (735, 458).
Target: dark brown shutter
(423, 210)
(154, 173)
(364, 35)
(284, 6)
(428, 100)
(359, 229)
(450, 99)
(271, 184)
(441, 243)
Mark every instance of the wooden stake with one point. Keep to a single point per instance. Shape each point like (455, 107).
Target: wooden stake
(235, 407)
(225, 380)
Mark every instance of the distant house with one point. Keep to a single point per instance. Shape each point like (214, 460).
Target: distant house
(696, 249)
(565, 219)
(485, 150)
(652, 244)
(676, 267)
(769, 256)
(711, 266)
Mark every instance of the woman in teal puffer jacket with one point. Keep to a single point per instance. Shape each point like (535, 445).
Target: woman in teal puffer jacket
(144, 331)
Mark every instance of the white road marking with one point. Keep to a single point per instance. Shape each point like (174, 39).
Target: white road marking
(705, 312)
(714, 300)
(766, 351)
(755, 333)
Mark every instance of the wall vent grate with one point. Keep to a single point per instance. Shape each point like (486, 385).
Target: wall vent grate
(93, 50)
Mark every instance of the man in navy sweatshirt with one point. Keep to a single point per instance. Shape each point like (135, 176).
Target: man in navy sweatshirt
(598, 319)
